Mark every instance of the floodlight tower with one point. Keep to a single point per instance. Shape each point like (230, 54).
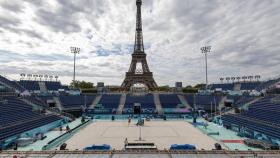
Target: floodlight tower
(206, 50)
(74, 50)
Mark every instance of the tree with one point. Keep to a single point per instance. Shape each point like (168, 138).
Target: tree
(164, 88)
(82, 84)
(200, 86)
(190, 89)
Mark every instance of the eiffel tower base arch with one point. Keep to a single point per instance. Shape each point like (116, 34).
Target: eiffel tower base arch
(145, 78)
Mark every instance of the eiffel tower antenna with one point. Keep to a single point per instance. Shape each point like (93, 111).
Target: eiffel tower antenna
(134, 74)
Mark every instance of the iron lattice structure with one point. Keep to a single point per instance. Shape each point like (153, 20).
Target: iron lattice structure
(134, 76)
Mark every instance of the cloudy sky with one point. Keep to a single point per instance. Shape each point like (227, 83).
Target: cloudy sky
(35, 37)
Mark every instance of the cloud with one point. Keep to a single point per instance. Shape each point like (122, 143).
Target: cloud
(36, 36)
(11, 6)
(57, 21)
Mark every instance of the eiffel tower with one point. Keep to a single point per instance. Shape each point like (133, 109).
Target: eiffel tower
(139, 71)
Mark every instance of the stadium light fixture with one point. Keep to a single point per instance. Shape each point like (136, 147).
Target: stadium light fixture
(244, 78)
(250, 78)
(40, 76)
(46, 77)
(56, 78)
(227, 78)
(22, 75)
(222, 79)
(29, 76)
(206, 50)
(257, 77)
(74, 50)
(233, 78)
(51, 77)
(238, 78)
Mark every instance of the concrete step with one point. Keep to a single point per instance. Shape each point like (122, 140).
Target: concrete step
(158, 104)
(184, 101)
(95, 101)
(121, 104)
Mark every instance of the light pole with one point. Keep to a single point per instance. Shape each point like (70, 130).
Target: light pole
(74, 50)
(206, 50)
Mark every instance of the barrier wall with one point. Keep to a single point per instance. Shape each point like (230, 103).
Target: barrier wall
(61, 139)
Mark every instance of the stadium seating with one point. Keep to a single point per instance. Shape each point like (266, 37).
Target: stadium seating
(55, 86)
(109, 103)
(13, 110)
(146, 101)
(267, 84)
(76, 101)
(249, 85)
(265, 109)
(251, 125)
(18, 117)
(224, 86)
(233, 98)
(36, 100)
(29, 85)
(34, 85)
(243, 100)
(262, 116)
(17, 129)
(169, 100)
(203, 101)
(11, 84)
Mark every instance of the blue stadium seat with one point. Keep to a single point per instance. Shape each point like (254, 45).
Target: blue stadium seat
(29, 85)
(146, 101)
(14, 85)
(262, 116)
(55, 86)
(17, 117)
(223, 86)
(110, 103)
(203, 101)
(249, 85)
(169, 100)
(76, 101)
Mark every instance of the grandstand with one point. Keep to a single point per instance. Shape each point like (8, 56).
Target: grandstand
(204, 101)
(259, 121)
(43, 86)
(18, 118)
(78, 101)
(108, 103)
(224, 87)
(30, 108)
(146, 102)
(41, 116)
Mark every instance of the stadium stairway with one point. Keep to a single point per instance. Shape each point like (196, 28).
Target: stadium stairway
(184, 101)
(158, 104)
(237, 87)
(95, 101)
(42, 105)
(58, 103)
(222, 102)
(121, 104)
(42, 86)
(34, 106)
(253, 101)
(232, 110)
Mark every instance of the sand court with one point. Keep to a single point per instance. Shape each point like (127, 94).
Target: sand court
(162, 133)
